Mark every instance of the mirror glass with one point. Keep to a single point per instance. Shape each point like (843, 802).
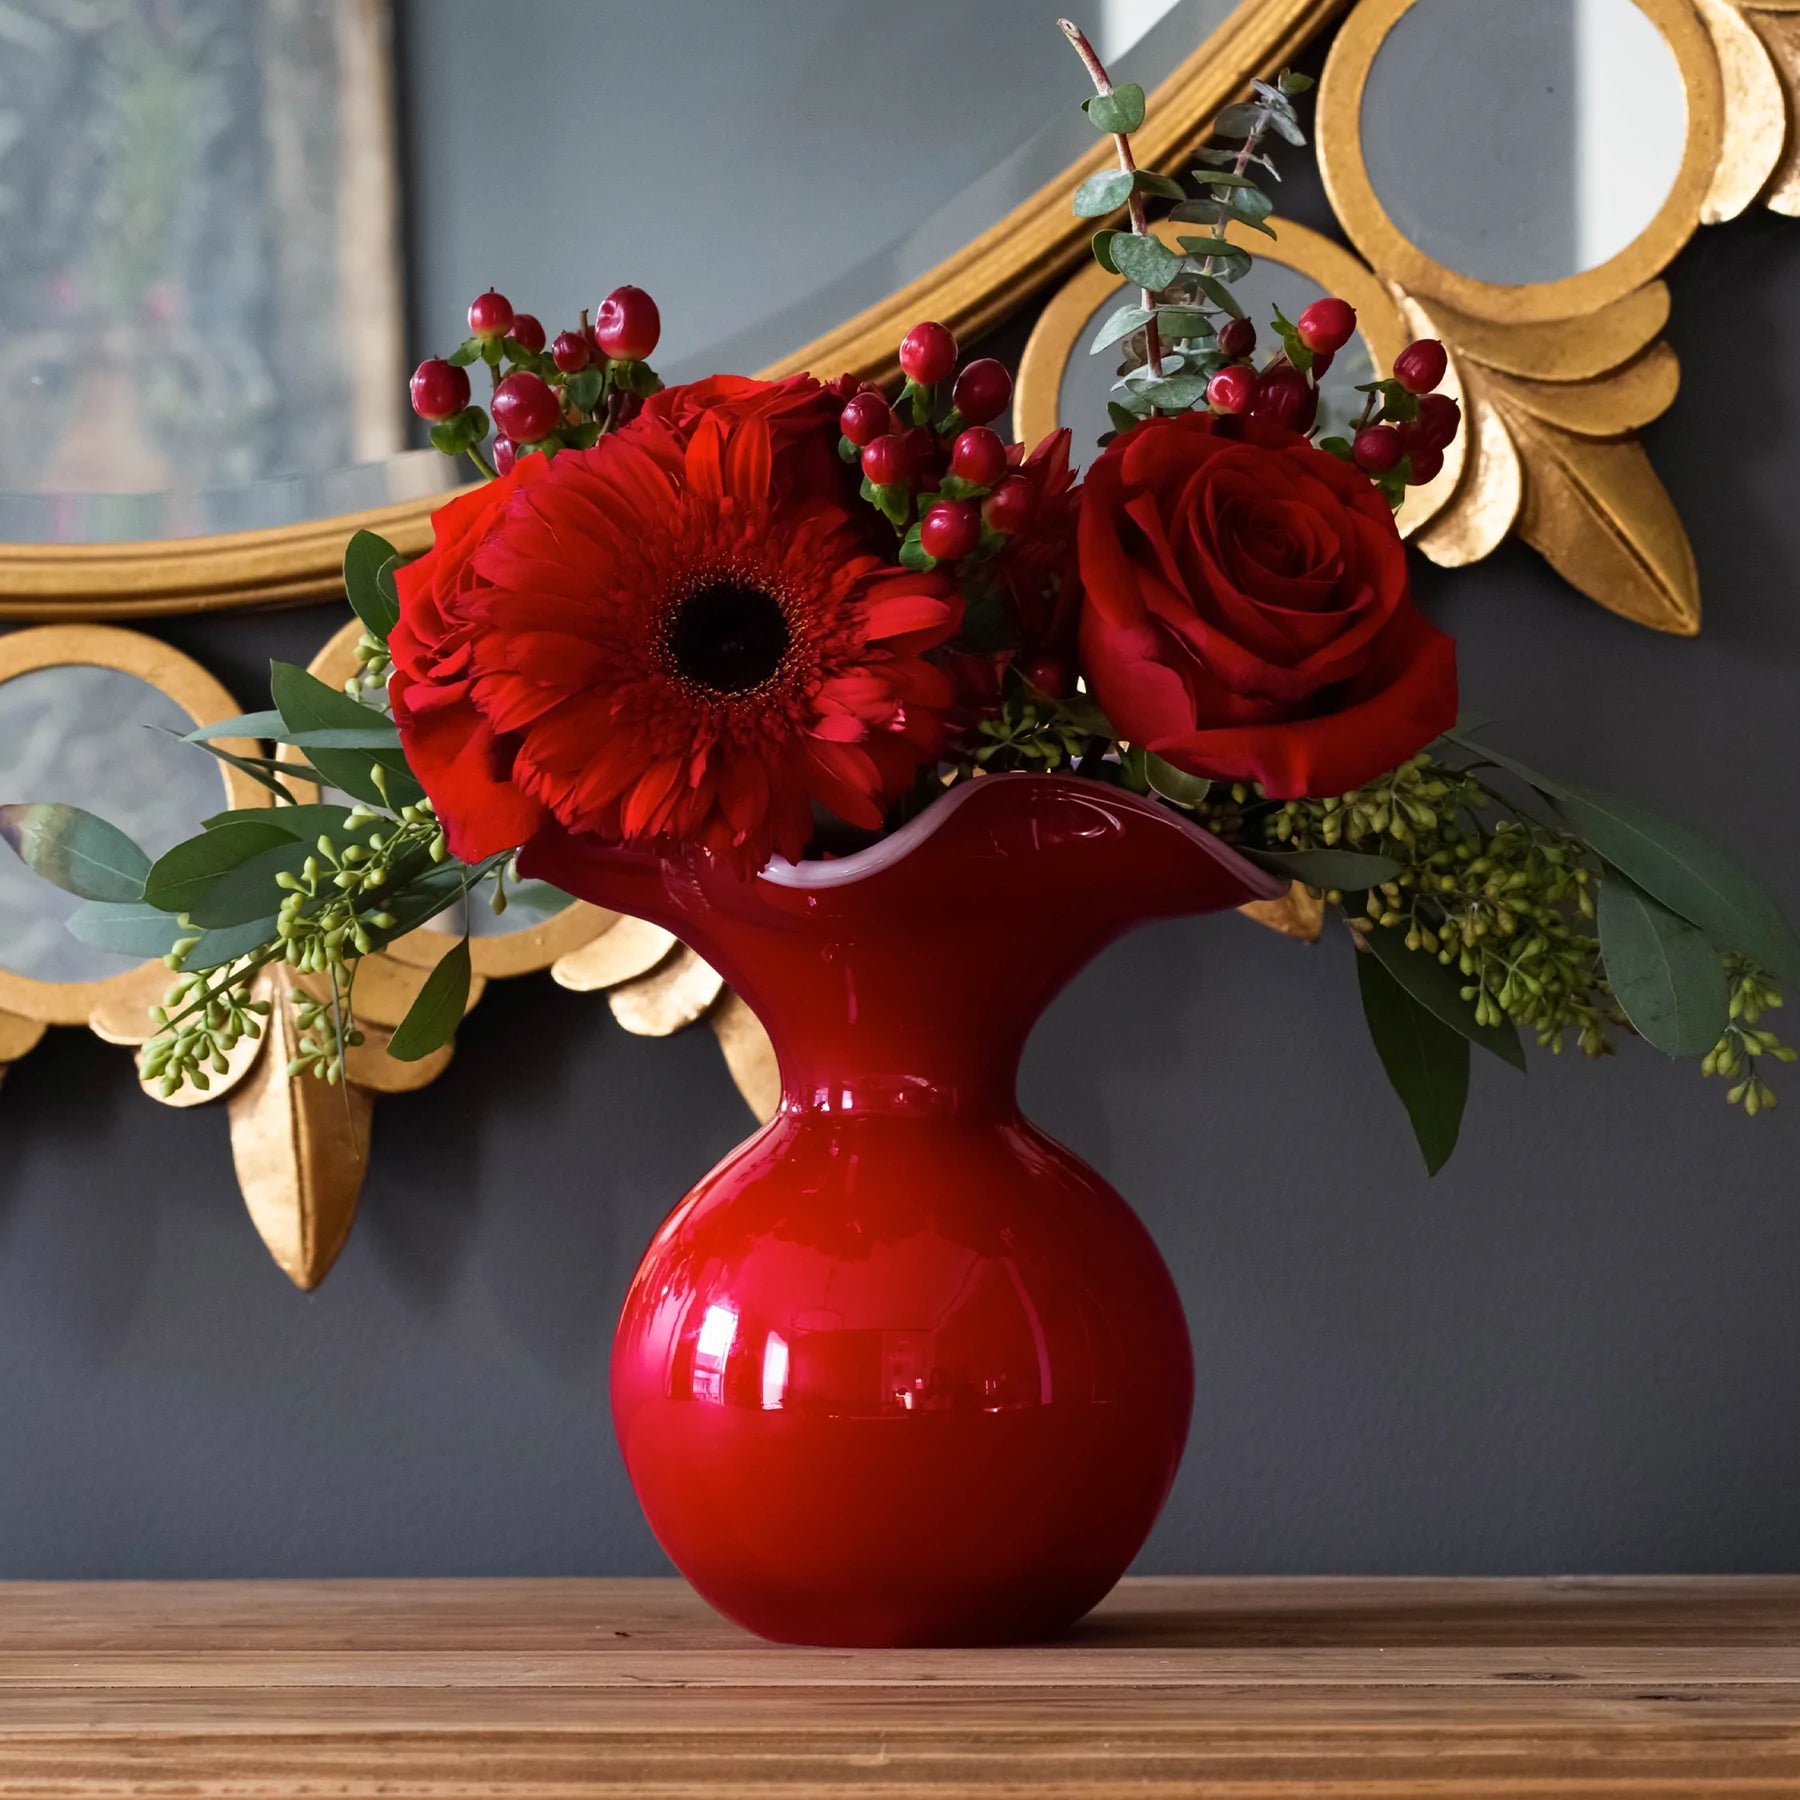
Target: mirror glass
(211, 228)
(1525, 141)
(1087, 380)
(99, 739)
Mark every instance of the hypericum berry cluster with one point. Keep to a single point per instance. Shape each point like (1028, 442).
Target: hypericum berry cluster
(1185, 343)
(587, 382)
(941, 477)
(1406, 426)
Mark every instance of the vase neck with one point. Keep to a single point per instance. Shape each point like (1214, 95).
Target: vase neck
(907, 978)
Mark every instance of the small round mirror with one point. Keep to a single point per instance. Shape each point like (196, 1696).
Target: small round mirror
(1087, 381)
(106, 741)
(1527, 141)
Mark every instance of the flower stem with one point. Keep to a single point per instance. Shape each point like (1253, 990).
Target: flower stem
(481, 462)
(1134, 207)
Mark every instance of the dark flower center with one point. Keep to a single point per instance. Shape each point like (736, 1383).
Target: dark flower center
(728, 636)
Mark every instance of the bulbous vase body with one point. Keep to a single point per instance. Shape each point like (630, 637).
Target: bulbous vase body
(902, 1369)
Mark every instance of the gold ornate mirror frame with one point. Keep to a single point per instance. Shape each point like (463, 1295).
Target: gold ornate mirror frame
(1556, 380)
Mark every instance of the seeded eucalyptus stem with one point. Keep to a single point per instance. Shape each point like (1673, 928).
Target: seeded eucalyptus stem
(1134, 206)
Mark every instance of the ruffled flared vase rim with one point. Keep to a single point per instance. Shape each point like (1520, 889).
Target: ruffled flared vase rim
(814, 875)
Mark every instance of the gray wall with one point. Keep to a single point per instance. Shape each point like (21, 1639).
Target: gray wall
(1577, 1349)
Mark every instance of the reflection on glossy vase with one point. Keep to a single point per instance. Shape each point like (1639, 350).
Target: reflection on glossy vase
(902, 1370)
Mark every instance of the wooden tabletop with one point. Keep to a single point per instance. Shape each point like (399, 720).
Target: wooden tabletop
(1222, 1688)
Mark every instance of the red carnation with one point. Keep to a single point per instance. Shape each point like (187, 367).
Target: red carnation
(1247, 611)
(670, 636)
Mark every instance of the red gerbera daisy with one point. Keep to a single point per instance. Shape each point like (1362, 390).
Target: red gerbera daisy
(664, 638)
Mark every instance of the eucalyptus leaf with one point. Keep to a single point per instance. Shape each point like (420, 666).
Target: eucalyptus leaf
(1689, 875)
(1439, 990)
(1173, 783)
(435, 1013)
(1119, 112)
(308, 704)
(1175, 393)
(309, 823)
(265, 724)
(369, 583)
(1348, 871)
(1102, 193)
(75, 850)
(1427, 1063)
(1662, 971)
(1239, 121)
(1144, 260)
(1223, 179)
(1218, 293)
(125, 928)
(1101, 246)
(204, 876)
(1120, 325)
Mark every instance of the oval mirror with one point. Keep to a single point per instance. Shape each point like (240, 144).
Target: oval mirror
(108, 741)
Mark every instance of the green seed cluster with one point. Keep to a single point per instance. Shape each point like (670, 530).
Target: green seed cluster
(373, 665)
(1503, 898)
(330, 914)
(1735, 1056)
(1029, 732)
(327, 1032)
(200, 1024)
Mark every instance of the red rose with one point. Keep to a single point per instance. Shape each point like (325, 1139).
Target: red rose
(1247, 613)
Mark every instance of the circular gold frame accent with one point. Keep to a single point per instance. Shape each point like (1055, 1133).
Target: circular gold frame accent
(515, 952)
(1037, 393)
(198, 694)
(1359, 210)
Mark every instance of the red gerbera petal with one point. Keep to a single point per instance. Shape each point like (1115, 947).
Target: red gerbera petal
(677, 634)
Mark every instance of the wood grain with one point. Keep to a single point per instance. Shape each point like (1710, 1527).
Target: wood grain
(1344, 1688)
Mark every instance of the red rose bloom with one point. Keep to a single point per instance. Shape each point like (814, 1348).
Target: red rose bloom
(665, 637)
(1247, 613)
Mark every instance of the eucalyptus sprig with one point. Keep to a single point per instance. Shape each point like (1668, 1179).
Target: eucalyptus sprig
(1168, 339)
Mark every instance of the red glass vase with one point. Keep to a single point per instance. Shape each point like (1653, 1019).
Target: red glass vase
(902, 1369)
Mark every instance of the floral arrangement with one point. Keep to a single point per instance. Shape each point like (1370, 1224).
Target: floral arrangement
(777, 619)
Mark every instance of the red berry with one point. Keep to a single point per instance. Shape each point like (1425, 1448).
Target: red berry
(1378, 449)
(1284, 397)
(1421, 365)
(491, 315)
(525, 407)
(1232, 389)
(1424, 467)
(627, 326)
(570, 352)
(1051, 675)
(865, 418)
(440, 390)
(927, 353)
(951, 529)
(1438, 422)
(1009, 507)
(888, 461)
(1326, 325)
(527, 333)
(978, 456)
(506, 453)
(1237, 339)
(982, 391)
